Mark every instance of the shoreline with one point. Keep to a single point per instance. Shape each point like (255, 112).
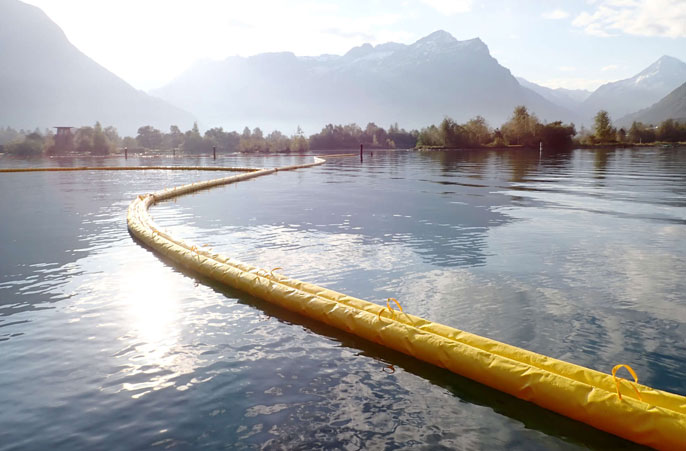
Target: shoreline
(570, 147)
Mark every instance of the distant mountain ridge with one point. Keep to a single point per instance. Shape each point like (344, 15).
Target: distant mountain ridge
(672, 106)
(45, 81)
(640, 91)
(567, 98)
(414, 85)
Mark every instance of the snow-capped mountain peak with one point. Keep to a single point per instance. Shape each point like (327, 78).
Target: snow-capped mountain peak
(643, 89)
(665, 67)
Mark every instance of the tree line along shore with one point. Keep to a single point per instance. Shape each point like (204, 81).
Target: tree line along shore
(523, 129)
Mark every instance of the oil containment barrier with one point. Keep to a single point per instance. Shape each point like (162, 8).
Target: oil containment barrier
(605, 401)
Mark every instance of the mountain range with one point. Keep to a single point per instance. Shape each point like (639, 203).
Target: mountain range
(651, 96)
(640, 91)
(568, 98)
(45, 81)
(672, 106)
(414, 85)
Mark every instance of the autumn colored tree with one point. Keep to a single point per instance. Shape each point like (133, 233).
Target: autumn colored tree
(521, 128)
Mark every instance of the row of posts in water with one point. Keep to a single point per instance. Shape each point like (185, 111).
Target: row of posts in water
(214, 152)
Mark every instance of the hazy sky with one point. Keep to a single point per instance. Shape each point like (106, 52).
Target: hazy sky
(557, 43)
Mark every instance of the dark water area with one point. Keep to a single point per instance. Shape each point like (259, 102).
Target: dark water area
(578, 255)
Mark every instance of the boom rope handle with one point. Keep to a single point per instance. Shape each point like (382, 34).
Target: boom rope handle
(619, 379)
(390, 309)
(195, 251)
(396, 303)
(267, 274)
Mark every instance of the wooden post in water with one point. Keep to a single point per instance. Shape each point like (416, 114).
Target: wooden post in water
(361, 148)
(126, 153)
(214, 152)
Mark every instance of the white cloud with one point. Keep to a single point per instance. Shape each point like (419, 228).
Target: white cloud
(450, 7)
(636, 17)
(566, 68)
(556, 14)
(609, 67)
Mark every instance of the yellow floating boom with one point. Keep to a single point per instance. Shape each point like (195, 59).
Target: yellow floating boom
(630, 410)
(638, 413)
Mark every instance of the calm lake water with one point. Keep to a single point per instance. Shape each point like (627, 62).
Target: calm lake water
(579, 255)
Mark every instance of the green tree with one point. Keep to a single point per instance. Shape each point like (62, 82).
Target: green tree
(556, 134)
(298, 141)
(522, 128)
(252, 141)
(149, 137)
(112, 135)
(602, 127)
(429, 136)
(401, 138)
(448, 132)
(227, 141)
(129, 142)
(8, 135)
(101, 144)
(374, 136)
(30, 145)
(193, 142)
(173, 139)
(337, 137)
(668, 131)
(641, 133)
(634, 135)
(83, 140)
(478, 132)
(277, 142)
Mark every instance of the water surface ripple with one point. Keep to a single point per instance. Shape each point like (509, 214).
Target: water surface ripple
(578, 255)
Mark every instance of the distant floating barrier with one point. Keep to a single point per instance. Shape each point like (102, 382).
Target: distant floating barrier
(129, 168)
(605, 401)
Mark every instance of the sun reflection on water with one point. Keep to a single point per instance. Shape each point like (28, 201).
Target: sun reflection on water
(153, 309)
(155, 323)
